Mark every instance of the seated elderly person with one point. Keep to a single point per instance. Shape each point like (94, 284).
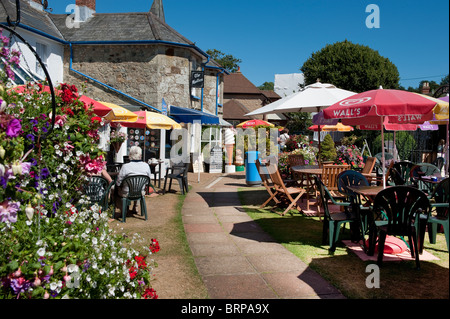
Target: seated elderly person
(135, 167)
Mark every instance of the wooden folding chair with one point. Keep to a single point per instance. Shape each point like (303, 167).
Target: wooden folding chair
(263, 171)
(329, 176)
(368, 168)
(296, 160)
(286, 193)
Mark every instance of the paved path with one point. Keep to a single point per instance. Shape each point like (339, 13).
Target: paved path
(236, 259)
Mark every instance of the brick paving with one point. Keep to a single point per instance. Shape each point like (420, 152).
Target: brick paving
(235, 257)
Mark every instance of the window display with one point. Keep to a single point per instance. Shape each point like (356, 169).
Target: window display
(148, 140)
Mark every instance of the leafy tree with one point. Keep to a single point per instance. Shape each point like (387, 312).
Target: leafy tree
(267, 86)
(299, 122)
(352, 67)
(404, 141)
(444, 80)
(227, 61)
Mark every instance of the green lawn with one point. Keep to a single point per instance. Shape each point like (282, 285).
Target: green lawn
(303, 237)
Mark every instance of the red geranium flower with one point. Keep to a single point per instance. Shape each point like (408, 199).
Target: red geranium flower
(150, 293)
(96, 119)
(133, 272)
(141, 262)
(154, 246)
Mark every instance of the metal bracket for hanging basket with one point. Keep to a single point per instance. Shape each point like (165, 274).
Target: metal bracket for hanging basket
(11, 29)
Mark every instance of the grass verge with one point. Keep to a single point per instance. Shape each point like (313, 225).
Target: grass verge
(303, 237)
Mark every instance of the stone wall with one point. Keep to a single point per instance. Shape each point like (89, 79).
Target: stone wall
(148, 73)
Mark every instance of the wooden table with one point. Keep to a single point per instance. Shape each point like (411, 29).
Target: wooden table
(308, 171)
(369, 192)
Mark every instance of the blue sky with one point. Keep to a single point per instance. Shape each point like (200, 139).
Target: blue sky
(277, 37)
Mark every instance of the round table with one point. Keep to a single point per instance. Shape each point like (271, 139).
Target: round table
(308, 171)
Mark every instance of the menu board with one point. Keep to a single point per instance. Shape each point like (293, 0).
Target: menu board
(216, 160)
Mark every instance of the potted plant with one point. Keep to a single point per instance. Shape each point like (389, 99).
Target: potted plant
(117, 138)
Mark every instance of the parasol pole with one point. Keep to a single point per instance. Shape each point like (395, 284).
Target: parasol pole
(320, 151)
(447, 152)
(383, 152)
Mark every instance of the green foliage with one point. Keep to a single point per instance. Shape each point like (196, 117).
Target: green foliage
(54, 242)
(267, 86)
(227, 61)
(328, 149)
(299, 122)
(352, 67)
(404, 141)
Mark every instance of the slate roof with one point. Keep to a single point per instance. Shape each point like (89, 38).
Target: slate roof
(29, 16)
(119, 27)
(101, 27)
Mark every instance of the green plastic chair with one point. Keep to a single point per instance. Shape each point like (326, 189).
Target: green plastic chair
(333, 220)
(440, 203)
(97, 189)
(404, 169)
(407, 210)
(137, 185)
(424, 169)
(180, 173)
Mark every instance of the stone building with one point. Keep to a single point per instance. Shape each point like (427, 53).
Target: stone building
(126, 58)
(131, 59)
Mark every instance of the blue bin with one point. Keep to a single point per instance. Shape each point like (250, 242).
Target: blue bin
(251, 171)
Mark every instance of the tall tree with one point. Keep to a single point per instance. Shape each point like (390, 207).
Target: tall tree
(267, 86)
(227, 61)
(351, 67)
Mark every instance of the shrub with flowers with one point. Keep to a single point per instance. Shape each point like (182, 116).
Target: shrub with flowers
(309, 154)
(55, 243)
(297, 144)
(349, 154)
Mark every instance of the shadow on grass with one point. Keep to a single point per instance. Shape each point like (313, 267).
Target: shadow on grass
(303, 237)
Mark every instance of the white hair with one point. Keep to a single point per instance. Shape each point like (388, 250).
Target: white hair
(135, 153)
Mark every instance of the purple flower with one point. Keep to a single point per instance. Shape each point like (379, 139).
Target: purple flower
(8, 211)
(30, 137)
(26, 168)
(44, 173)
(20, 285)
(14, 128)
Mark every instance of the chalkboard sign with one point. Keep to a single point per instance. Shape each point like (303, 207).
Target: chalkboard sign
(197, 79)
(216, 160)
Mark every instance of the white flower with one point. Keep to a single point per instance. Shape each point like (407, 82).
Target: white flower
(72, 268)
(53, 286)
(41, 252)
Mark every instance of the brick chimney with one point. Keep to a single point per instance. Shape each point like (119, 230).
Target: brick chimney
(86, 3)
(426, 88)
(86, 9)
